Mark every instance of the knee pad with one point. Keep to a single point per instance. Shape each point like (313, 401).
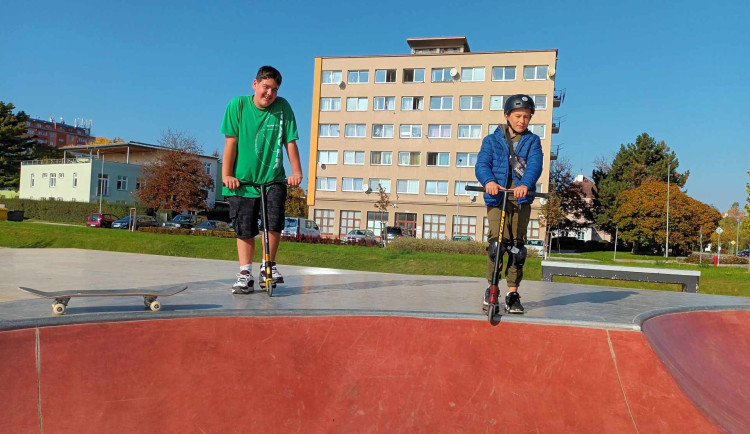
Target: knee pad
(518, 255)
(493, 248)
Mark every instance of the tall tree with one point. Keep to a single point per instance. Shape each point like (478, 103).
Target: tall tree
(175, 179)
(296, 202)
(641, 215)
(573, 205)
(635, 163)
(384, 200)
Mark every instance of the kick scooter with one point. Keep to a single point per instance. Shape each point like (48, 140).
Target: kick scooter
(494, 306)
(268, 283)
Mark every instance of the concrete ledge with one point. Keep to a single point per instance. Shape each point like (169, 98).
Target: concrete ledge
(687, 278)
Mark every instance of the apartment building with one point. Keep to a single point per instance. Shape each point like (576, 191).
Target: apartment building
(413, 125)
(59, 134)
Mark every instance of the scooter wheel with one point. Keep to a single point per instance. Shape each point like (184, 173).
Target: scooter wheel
(491, 311)
(269, 288)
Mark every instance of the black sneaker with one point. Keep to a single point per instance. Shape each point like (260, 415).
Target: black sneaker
(486, 301)
(244, 283)
(513, 303)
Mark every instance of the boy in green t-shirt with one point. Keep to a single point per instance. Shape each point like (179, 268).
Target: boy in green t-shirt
(256, 128)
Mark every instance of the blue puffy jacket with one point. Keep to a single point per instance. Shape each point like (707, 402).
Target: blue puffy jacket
(492, 163)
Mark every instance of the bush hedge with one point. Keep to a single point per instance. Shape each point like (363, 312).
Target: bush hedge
(708, 258)
(178, 231)
(68, 212)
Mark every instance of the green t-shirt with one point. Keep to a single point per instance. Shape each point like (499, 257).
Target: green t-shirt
(262, 134)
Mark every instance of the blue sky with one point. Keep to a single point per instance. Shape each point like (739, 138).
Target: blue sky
(676, 70)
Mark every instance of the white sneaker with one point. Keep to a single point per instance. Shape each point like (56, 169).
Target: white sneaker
(277, 277)
(244, 283)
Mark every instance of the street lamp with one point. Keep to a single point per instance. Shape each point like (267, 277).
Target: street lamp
(737, 246)
(458, 194)
(666, 246)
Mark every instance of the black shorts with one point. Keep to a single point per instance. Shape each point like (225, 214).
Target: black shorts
(245, 212)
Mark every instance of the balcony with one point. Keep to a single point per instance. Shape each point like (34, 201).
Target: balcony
(558, 97)
(555, 125)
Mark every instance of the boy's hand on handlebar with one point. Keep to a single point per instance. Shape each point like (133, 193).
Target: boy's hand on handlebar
(492, 188)
(230, 182)
(294, 180)
(520, 191)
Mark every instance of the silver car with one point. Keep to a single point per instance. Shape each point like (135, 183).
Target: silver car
(356, 236)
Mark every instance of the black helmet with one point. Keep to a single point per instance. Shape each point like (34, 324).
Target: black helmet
(519, 101)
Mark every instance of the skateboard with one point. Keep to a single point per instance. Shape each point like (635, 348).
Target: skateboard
(63, 297)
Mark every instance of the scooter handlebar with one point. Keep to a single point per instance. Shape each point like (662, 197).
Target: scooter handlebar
(252, 184)
(528, 194)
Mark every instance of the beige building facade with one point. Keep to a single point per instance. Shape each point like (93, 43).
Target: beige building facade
(413, 125)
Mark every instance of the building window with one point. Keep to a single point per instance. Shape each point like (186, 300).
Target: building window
(492, 127)
(466, 159)
(433, 227)
(533, 230)
(328, 130)
(470, 102)
(382, 131)
(32, 181)
(535, 72)
(53, 179)
(440, 75)
(385, 76)
(439, 159)
(30, 131)
(75, 179)
(381, 158)
(435, 131)
(441, 103)
(384, 103)
(330, 104)
(328, 157)
(472, 74)
(409, 158)
(459, 188)
(464, 225)
(324, 219)
(138, 183)
(436, 187)
(410, 131)
(581, 235)
(469, 131)
(349, 220)
(207, 168)
(376, 183)
(377, 221)
(323, 183)
(540, 102)
(355, 130)
(503, 73)
(102, 189)
(358, 77)
(352, 184)
(356, 104)
(538, 129)
(331, 77)
(122, 182)
(497, 102)
(354, 157)
(413, 75)
(407, 186)
(485, 229)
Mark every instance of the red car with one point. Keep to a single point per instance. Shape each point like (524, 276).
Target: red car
(98, 220)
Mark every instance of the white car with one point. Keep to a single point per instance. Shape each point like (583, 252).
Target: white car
(536, 245)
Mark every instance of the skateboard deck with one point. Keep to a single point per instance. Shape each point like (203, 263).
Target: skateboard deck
(63, 297)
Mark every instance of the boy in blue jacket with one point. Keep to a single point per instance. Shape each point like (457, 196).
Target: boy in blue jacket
(510, 159)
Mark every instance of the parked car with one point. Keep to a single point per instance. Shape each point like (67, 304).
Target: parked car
(355, 235)
(392, 232)
(744, 253)
(462, 238)
(536, 245)
(98, 220)
(212, 225)
(141, 221)
(184, 221)
(300, 226)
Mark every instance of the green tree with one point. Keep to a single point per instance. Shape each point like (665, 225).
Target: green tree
(641, 214)
(635, 163)
(16, 145)
(567, 209)
(384, 200)
(296, 202)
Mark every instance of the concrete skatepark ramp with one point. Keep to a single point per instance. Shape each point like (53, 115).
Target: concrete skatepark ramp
(344, 374)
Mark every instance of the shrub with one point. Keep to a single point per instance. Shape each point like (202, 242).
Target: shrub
(68, 212)
(437, 246)
(708, 258)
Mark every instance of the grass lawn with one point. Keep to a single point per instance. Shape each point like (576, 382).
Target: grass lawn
(722, 280)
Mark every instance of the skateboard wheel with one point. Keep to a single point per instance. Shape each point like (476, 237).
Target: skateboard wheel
(58, 309)
(155, 306)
